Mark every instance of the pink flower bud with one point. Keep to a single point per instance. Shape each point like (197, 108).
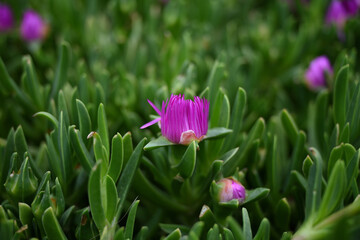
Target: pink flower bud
(315, 76)
(33, 28)
(231, 189)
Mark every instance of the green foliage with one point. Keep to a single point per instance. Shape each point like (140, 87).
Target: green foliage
(74, 163)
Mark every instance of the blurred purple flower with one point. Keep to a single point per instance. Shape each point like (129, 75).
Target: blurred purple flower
(340, 11)
(33, 27)
(336, 14)
(316, 74)
(182, 121)
(231, 189)
(6, 18)
(351, 6)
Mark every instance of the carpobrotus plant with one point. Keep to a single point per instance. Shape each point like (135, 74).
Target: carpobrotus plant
(264, 158)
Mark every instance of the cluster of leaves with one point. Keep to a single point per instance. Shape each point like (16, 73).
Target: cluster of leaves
(62, 176)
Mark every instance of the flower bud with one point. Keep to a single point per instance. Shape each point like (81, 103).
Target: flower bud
(21, 184)
(315, 76)
(33, 28)
(46, 198)
(6, 18)
(229, 189)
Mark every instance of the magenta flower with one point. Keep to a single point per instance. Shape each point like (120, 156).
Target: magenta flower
(33, 28)
(340, 11)
(336, 14)
(351, 6)
(182, 121)
(6, 18)
(231, 189)
(315, 76)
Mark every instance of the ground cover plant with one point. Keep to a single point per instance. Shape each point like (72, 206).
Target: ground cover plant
(229, 119)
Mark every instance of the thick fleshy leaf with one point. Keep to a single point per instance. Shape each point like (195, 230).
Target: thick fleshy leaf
(175, 235)
(11, 85)
(51, 225)
(95, 199)
(129, 229)
(256, 194)
(84, 119)
(207, 216)
(49, 116)
(196, 230)
(117, 157)
(111, 198)
(283, 211)
(219, 132)
(263, 232)
(128, 175)
(156, 143)
(62, 69)
(154, 194)
(306, 166)
(214, 233)
(128, 147)
(168, 228)
(188, 161)
(289, 126)
(237, 114)
(239, 160)
(321, 109)
(246, 224)
(313, 190)
(25, 215)
(103, 127)
(228, 234)
(32, 82)
(235, 228)
(334, 192)
(214, 79)
(340, 95)
(81, 151)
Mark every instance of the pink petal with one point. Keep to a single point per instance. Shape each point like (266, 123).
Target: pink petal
(154, 107)
(150, 123)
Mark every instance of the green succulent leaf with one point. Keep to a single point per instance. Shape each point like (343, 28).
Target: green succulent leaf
(218, 132)
(51, 225)
(95, 199)
(128, 175)
(84, 119)
(263, 232)
(117, 157)
(256, 194)
(339, 97)
(129, 229)
(334, 192)
(159, 142)
(246, 224)
(175, 235)
(188, 161)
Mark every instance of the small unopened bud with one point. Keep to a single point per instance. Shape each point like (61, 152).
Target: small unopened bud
(21, 184)
(230, 189)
